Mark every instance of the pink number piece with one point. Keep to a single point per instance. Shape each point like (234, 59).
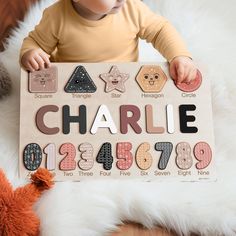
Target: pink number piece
(123, 153)
(202, 152)
(68, 163)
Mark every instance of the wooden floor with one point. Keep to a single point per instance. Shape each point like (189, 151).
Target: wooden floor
(10, 12)
(131, 229)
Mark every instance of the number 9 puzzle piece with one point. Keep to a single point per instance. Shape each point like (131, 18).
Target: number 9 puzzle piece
(43, 81)
(151, 78)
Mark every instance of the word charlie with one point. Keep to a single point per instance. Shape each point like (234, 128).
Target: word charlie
(103, 119)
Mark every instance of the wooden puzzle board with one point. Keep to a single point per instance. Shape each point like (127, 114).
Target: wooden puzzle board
(165, 160)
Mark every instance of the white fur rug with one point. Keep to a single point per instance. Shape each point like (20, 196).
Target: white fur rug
(94, 208)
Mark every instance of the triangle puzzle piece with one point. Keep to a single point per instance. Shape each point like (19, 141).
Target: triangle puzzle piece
(80, 82)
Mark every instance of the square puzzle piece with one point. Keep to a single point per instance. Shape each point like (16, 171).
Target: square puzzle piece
(43, 81)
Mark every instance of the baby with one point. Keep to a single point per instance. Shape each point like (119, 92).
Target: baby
(103, 31)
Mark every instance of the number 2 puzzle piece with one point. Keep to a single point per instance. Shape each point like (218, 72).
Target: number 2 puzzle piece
(80, 82)
(43, 81)
(151, 79)
(192, 85)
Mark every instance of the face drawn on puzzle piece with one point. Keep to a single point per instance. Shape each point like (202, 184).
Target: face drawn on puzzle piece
(43, 81)
(151, 79)
(193, 85)
(114, 80)
(80, 82)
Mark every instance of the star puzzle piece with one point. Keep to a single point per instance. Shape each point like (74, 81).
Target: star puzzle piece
(151, 79)
(80, 82)
(114, 80)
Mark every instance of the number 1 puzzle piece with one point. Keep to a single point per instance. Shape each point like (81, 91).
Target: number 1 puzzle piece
(80, 82)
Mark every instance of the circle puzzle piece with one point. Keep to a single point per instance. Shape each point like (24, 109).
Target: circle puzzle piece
(151, 79)
(114, 80)
(192, 85)
(80, 82)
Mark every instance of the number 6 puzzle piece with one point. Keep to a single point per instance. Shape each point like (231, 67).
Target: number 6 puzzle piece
(43, 81)
(80, 82)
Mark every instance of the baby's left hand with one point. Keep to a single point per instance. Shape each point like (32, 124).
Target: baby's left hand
(182, 69)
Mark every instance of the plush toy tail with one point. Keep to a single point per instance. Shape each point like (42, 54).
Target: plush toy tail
(42, 179)
(5, 81)
(16, 214)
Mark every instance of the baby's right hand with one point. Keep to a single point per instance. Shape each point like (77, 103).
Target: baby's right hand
(35, 59)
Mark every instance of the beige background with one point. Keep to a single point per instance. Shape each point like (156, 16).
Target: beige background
(133, 95)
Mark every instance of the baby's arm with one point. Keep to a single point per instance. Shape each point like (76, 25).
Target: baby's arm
(40, 43)
(164, 37)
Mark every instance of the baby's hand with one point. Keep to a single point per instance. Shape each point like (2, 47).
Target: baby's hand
(35, 59)
(182, 69)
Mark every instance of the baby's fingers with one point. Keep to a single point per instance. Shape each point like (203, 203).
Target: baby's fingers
(191, 75)
(173, 72)
(180, 74)
(45, 58)
(29, 67)
(33, 63)
(40, 62)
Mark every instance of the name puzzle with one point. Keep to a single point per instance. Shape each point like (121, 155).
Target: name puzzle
(115, 120)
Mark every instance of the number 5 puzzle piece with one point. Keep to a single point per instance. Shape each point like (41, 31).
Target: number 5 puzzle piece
(43, 81)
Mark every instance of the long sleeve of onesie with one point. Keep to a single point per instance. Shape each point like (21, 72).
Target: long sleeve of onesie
(113, 38)
(158, 31)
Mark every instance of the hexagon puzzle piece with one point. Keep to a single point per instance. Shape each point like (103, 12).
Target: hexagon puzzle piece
(151, 79)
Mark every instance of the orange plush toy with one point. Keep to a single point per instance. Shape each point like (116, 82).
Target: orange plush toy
(16, 214)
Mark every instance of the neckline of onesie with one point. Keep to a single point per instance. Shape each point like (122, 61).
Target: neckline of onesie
(87, 22)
